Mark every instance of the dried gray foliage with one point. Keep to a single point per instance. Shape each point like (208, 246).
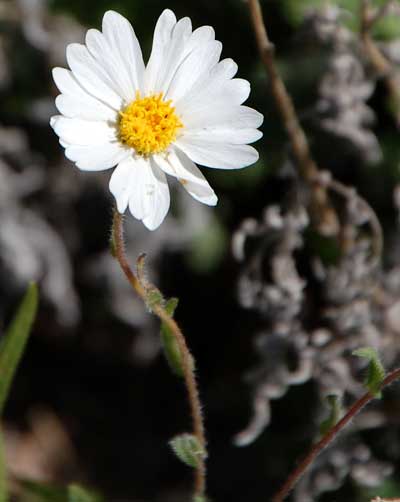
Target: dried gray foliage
(30, 249)
(355, 303)
(341, 110)
(353, 460)
(311, 324)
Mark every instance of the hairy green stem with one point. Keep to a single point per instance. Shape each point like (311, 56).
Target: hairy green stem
(189, 376)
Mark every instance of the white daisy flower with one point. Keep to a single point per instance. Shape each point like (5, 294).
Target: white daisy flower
(183, 108)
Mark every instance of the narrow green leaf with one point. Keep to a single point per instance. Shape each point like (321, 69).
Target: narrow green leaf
(3, 473)
(171, 306)
(200, 498)
(376, 371)
(34, 491)
(42, 492)
(14, 341)
(188, 449)
(170, 345)
(153, 298)
(335, 411)
(78, 494)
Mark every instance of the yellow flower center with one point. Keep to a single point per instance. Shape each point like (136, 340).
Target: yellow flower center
(149, 125)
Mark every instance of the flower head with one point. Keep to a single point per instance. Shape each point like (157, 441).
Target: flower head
(183, 108)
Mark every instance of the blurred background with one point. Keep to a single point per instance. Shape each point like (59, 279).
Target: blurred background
(271, 308)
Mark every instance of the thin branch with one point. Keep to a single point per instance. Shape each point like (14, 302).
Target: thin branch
(371, 19)
(380, 499)
(381, 65)
(187, 361)
(350, 193)
(299, 471)
(322, 211)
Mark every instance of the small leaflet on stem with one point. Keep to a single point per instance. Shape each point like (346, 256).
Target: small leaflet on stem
(140, 268)
(170, 345)
(375, 372)
(188, 449)
(335, 413)
(153, 297)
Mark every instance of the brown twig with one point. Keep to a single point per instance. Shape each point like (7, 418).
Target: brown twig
(350, 193)
(371, 19)
(299, 471)
(321, 209)
(381, 65)
(380, 499)
(189, 376)
(322, 212)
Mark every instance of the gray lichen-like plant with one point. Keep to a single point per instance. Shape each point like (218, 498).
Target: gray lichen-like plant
(294, 348)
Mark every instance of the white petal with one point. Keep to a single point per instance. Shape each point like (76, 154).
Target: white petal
(223, 135)
(121, 183)
(76, 102)
(212, 86)
(219, 156)
(216, 93)
(201, 35)
(92, 76)
(177, 164)
(84, 109)
(118, 52)
(224, 116)
(201, 53)
(179, 57)
(83, 132)
(227, 68)
(96, 158)
(197, 63)
(124, 45)
(116, 71)
(174, 55)
(149, 196)
(170, 41)
(162, 38)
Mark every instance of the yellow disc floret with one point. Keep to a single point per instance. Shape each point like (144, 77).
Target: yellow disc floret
(149, 125)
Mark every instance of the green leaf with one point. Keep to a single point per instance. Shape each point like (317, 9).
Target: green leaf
(14, 341)
(388, 28)
(78, 494)
(188, 449)
(171, 306)
(170, 345)
(334, 404)
(34, 491)
(3, 473)
(42, 492)
(153, 298)
(376, 371)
